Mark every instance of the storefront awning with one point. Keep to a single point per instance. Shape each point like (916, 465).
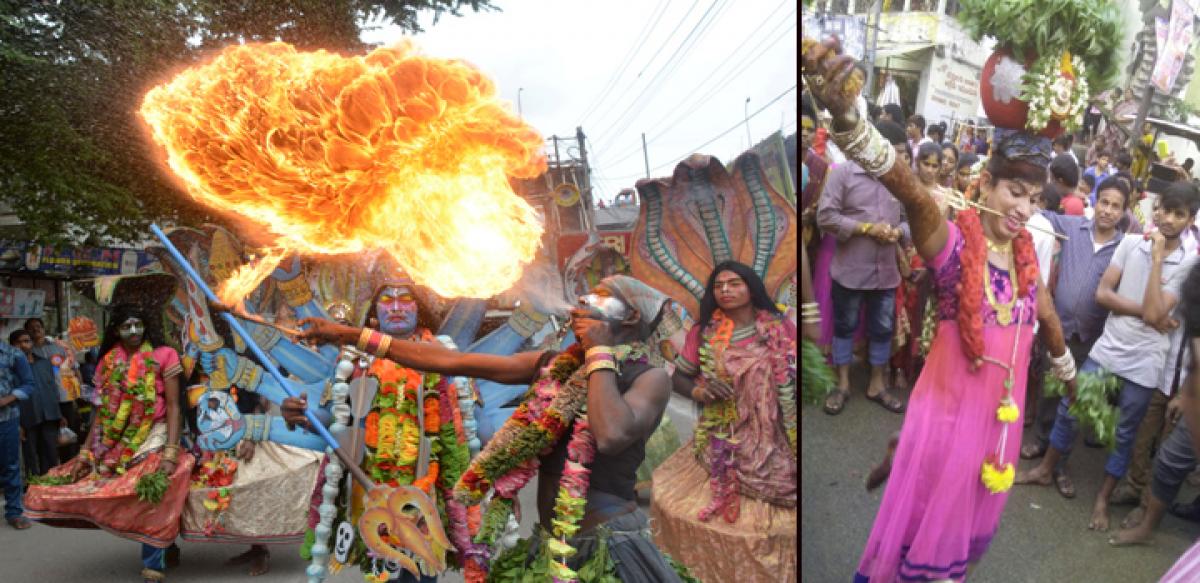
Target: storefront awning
(905, 50)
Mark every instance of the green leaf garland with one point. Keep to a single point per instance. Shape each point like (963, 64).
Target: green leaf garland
(152, 487)
(817, 380)
(1091, 407)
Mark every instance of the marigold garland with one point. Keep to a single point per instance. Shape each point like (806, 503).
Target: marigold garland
(970, 287)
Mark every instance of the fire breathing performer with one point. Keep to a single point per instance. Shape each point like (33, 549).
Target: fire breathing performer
(130, 477)
(584, 425)
(956, 456)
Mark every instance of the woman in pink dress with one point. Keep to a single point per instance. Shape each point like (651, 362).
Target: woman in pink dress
(959, 443)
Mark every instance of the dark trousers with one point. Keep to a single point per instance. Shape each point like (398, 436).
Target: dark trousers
(41, 447)
(1176, 458)
(10, 466)
(70, 412)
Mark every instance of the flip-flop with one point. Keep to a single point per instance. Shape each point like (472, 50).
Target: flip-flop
(1064, 484)
(887, 401)
(836, 401)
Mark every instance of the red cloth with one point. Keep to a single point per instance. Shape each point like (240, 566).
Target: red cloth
(112, 504)
(1072, 205)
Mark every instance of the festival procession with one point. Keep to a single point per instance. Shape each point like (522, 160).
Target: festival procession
(410, 291)
(1000, 291)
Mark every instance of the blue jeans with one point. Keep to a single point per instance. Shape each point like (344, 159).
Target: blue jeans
(10, 466)
(881, 319)
(1134, 400)
(154, 558)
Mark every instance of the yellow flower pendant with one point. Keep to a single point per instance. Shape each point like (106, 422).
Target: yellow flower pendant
(997, 480)
(1008, 411)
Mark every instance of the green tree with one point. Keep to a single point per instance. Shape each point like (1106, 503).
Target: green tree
(75, 163)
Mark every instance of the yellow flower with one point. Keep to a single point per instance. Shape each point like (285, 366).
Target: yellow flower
(1008, 412)
(997, 480)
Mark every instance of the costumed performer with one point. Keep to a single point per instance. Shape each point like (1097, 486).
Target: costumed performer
(603, 393)
(726, 505)
(958, 447)
(394, 438)
(131, 454)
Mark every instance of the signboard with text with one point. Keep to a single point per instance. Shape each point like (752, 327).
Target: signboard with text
(18, 302)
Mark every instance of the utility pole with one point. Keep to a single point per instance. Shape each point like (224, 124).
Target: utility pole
(519, 114)
(873, 30)
(645, 155)
(1143, 110)
(587, 178)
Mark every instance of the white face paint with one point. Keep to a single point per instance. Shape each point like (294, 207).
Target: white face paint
(606, 307)
(131, 328)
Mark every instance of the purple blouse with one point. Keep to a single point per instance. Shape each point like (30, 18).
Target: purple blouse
(947, 267)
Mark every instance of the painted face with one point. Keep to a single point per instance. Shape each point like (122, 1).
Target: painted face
(731, 291)
(1171, 222)
(928, 169)
(1110, 205)
(396, 310)
(603, 306)
(1013, 199)
(131, 331)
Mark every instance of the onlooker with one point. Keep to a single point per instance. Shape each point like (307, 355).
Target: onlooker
(966, 143)
(949, 164)
(1074, 203)
(40, 416)
(964, 172)
(892, 113)
(1141, 289)
(1082, 261)
(16, 383)
(66, 378)
(868, 222)
(1123, 162)
(1062, 145)
(936, 133)
(916, 134)
(1098, 172)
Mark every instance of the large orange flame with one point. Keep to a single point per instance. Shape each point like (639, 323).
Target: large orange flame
(331, 154)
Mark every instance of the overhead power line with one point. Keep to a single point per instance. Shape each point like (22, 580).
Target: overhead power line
(627, 59)
(735, 126)
(704, 99)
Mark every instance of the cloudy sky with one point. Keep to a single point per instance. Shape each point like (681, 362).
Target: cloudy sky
(678, 70)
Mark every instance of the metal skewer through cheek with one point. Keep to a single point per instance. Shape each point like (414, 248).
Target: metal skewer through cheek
(959, 203)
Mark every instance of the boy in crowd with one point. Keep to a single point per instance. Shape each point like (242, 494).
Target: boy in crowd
(1141, 289)
(1084, 257)
(40, 416)
(1099, 172)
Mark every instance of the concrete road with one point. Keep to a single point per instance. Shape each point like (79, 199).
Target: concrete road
(93, 556)
(1043, 537)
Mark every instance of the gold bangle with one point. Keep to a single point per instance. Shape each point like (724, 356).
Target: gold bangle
(865, 228)
(384, 345)
(600, 365)
(363, 338)
(599, 350)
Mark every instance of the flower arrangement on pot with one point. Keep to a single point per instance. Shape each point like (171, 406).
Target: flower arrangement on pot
(1050, 55)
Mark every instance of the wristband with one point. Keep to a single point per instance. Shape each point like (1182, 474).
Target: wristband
(600, 365)
(864, 145)
(599, 350)
(1063, 367)
(384, 344)
(363, 338)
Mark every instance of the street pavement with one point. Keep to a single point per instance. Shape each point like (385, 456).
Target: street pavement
(69, 555)
(1042, 537)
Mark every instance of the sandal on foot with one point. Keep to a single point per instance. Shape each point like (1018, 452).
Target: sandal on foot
(887, 401)
(1033, 451)
(152, 576)
(836, 401)
(19, 522)
(1063, 483)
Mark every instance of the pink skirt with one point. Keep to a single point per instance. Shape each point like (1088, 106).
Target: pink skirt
(937, 517)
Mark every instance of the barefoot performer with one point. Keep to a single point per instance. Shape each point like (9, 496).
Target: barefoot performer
(959, 444)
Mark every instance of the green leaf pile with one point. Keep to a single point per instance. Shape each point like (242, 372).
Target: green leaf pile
(151, 487)
(816, 378)
(1089, 29)
(1091, 407)
(48, 480)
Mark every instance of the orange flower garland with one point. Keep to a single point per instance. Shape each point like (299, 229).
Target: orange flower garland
(971, 282)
